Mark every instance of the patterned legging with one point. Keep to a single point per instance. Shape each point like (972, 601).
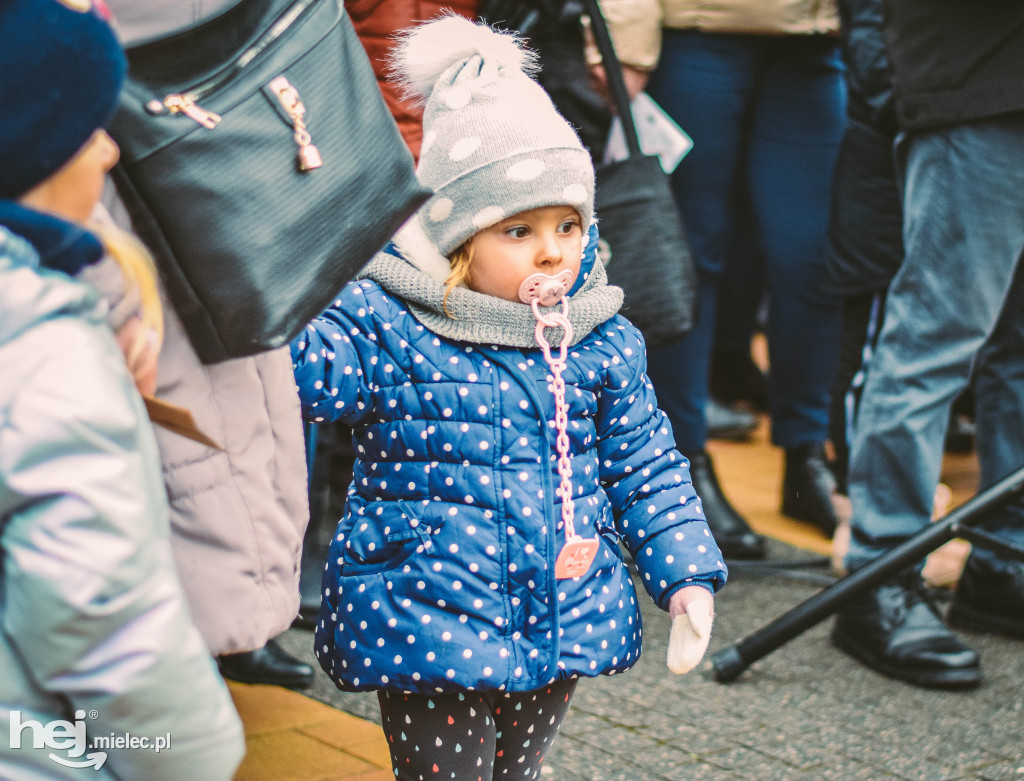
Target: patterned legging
(473, 736)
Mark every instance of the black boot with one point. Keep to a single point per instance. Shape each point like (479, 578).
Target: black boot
(270, 664)
(897, 631)
(734, 536)
(725, 422)
(989, 599)
(807, 488)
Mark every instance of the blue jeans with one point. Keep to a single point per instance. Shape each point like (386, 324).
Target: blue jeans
(766, 115)
(955, 305)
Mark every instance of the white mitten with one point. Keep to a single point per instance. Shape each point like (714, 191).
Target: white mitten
(693, 610)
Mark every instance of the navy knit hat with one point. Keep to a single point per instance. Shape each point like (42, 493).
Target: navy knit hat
(61, 69)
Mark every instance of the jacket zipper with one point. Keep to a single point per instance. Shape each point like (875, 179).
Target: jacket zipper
(187, 102)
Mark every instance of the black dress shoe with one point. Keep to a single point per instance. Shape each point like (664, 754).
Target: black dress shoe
(897, 631)
(270, 664)
(989, 599)
(734, 536)
(808, 486)
(725, 422)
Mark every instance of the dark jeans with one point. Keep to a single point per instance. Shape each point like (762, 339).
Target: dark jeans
(766, 115)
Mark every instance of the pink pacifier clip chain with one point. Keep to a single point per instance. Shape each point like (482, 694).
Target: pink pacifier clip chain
(539, 290)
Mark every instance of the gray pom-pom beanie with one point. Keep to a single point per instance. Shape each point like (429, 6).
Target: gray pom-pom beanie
(493, 143)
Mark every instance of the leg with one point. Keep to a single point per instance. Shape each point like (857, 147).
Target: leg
(796, 133)
(444, 736)
(527, 724)
(473, 736)
(860, 319)
(961, 224)
(990, 596)
(705, 82)
(797, 128)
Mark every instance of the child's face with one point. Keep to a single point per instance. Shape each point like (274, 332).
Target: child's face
(548, 239)
(76, 188)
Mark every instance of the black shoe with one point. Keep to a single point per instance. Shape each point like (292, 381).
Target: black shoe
(734, 536)
(897, 631)
(726, 422)
(990, 600)
(271, 664)
(735, 377)
(808, 486)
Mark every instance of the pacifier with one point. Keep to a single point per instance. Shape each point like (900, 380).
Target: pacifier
(546, 289)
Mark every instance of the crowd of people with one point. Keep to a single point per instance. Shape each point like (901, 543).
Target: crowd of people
(501, 459)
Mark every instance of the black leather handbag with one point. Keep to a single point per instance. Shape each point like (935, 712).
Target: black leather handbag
(643, 243)
(261, 166)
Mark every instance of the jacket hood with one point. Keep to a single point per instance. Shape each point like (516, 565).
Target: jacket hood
(412, 269)
(30, 294)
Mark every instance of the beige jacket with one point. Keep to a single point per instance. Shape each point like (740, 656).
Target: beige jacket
(636, 24)
(237, 516)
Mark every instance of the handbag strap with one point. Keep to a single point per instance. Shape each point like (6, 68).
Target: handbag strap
(613, 72)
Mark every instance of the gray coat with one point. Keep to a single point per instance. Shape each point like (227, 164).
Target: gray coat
(92, 616)
(237, 516)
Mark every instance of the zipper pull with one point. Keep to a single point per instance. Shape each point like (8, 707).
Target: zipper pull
(308, 156)
(182, 104)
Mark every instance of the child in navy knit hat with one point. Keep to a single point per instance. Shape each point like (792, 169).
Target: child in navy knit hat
(95, 636)
(507, 437)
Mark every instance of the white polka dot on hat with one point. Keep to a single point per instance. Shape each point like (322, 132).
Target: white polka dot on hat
(494, 145)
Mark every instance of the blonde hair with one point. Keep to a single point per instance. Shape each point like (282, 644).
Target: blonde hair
(139, 274)
(460, 261)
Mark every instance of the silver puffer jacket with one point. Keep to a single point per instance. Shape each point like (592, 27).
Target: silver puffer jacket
(92, 617)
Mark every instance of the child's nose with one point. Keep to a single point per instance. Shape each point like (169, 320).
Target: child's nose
(550, 251)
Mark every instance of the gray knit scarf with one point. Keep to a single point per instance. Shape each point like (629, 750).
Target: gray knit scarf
(415, 277)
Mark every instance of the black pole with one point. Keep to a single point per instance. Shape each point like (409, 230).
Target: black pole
(730, 662)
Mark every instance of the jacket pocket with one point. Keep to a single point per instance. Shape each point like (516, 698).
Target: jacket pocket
(384, 537)
(606, 529)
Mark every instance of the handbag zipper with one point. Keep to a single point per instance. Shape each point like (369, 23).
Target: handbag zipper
(309, 156)
(187, 102)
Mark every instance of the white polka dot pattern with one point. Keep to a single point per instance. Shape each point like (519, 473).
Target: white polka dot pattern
(439, 575)
(463, 148)
(487, 216)
(525, 170)
(440, 209)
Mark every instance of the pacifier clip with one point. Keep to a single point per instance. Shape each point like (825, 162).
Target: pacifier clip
(547, 290)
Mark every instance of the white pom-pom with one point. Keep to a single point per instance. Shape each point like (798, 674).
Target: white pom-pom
(426, 51)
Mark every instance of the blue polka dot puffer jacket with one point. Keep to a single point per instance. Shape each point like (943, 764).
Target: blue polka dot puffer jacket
(441, 574)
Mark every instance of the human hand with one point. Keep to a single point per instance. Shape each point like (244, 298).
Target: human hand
(693, 610)
(141, 353)
(635, 78)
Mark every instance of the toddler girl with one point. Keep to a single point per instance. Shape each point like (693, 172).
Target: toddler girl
(476, 573)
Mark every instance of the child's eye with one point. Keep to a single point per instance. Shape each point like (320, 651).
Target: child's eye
(517, 231)
(568, 226)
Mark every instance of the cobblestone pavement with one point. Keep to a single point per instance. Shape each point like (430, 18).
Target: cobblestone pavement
(806, 711)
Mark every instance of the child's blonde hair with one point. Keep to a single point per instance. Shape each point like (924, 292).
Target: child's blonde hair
(460, 261)
(139, 274)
